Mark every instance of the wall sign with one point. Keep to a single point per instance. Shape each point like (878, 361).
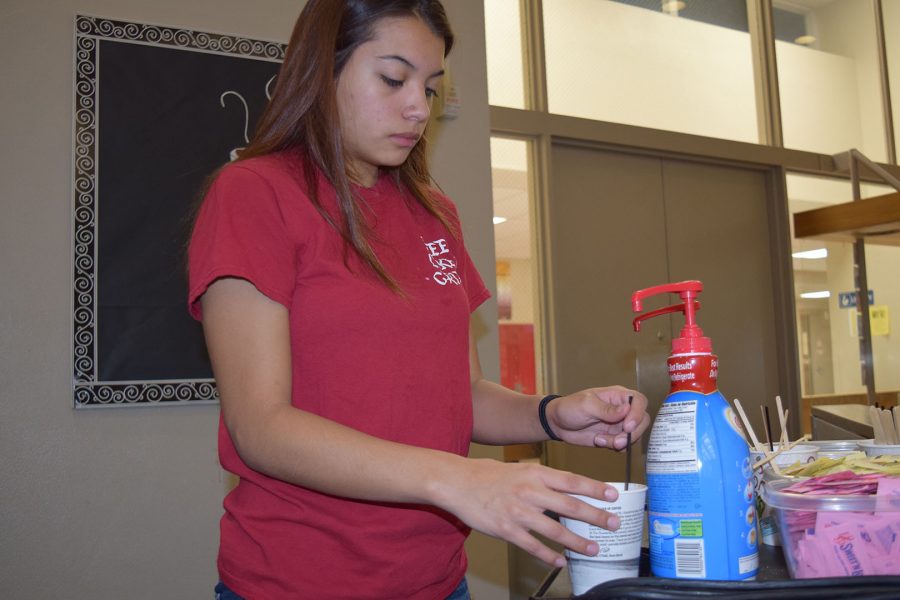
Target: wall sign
(848, 299)
(157, 109)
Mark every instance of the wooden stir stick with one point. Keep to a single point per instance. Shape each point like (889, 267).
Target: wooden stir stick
(877, 429)
(782, 420)
(756, 443)
(887, 425)
(772, 456)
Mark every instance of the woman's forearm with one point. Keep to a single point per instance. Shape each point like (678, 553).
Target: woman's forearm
(503, 416)
(311, 451)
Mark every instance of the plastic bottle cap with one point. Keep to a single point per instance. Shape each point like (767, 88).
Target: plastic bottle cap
(692, 345)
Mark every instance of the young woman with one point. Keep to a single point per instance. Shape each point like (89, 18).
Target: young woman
(335, 294)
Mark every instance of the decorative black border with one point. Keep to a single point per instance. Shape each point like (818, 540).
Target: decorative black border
(88, 392)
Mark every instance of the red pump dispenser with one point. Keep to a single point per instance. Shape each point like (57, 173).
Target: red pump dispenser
(700, 511)
(692, 365)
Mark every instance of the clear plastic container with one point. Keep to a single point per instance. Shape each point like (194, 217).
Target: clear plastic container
(799, 454)
(835, 448)
(814, 546)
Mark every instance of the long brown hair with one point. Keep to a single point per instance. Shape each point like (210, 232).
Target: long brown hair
(303, 114)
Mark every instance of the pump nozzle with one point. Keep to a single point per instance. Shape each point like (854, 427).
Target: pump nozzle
(691, 339)
(636, 322)
(687, 289)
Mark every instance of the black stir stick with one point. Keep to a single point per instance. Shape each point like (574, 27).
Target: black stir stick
(768, 428)
(628, 454)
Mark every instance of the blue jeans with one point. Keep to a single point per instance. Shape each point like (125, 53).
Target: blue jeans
(460, 593)
(223, 593)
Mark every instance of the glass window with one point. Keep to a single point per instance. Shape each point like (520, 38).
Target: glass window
(890, 12)
(881, 269)
(513, 243)
(503, 40)
(518, 315)
(678, 66)
(827, 324)
(829, 80)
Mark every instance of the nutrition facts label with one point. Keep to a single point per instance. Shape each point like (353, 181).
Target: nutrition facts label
(673, 441)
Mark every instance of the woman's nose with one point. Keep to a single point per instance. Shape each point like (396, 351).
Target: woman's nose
(418, 106)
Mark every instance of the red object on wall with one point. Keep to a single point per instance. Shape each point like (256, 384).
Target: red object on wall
(517, 357)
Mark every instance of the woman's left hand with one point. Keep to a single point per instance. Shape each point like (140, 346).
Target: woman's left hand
(599, 417)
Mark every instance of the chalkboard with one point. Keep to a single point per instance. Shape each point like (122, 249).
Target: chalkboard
(157, 109)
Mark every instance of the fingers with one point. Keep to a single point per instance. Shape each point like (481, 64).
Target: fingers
(607, 405)
(579, 510)
(619, 441)
(555, 531)
(626, 412)
(619, 405)
(601, 417)
(569, 506)
(636, 412)
(532, 546)
(510, 501)
(566, 502)
(635, 420)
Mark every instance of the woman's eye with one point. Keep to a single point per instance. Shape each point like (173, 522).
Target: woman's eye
(431, 92)
(391, 82)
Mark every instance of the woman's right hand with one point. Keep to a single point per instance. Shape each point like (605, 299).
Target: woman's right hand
(508, 500)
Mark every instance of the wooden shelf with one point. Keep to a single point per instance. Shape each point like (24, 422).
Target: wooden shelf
(876, 219)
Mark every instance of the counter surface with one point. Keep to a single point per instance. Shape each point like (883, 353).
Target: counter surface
(850, 417)
(556, 586)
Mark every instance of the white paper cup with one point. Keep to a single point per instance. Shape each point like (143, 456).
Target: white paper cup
(801, 453)
(620, 550)
(873, 449)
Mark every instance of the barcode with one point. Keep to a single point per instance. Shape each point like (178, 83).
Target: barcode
(689, 560)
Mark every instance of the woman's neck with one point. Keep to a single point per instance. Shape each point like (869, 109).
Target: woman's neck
(364, 177)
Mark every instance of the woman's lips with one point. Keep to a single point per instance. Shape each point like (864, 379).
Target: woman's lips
(407, 140)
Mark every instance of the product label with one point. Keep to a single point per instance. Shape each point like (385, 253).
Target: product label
(673, 441)
(693, 372)
(622, 544)
(702, 520)
(749, 563)
(769, 529)
(689, 559)
(691, 528)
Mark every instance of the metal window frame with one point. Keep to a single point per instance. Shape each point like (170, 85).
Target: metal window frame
(544, 129)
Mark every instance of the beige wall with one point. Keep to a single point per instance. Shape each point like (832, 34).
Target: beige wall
(124, 503)
(658, 71)
(881, 272)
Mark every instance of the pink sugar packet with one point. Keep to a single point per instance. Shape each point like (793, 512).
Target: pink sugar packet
(845, 551)
(878, 535)
(888, 495)
(812, 481)
(842, 543)
(807, 563)
(837, 484)
(837, 548)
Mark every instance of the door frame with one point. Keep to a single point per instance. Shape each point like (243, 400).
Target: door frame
(780, 255)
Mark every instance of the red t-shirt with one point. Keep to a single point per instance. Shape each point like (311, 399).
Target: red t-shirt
(392, 367)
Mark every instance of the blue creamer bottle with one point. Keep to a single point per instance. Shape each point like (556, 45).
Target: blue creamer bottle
(701, 511)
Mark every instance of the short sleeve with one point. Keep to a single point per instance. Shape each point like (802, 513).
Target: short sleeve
(476, 291)
(240, 232)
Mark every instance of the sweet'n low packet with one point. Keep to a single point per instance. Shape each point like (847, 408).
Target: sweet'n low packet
(832, 543)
